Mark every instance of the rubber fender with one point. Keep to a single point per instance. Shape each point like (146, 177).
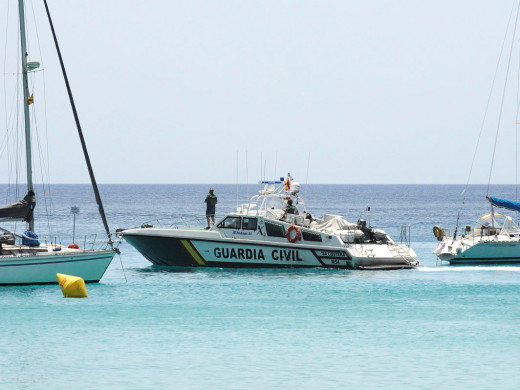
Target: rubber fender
(437, 232)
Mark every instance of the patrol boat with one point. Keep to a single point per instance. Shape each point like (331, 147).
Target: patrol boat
(260, 234)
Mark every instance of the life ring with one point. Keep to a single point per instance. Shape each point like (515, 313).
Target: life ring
(437, 232)
(297, 236)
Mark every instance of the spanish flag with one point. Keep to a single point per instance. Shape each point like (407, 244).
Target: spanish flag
(287, 184)
(30, 100)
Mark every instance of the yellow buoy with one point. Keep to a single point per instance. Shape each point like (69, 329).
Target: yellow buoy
(72, 286)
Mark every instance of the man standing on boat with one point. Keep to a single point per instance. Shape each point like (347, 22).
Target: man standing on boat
(211, 202)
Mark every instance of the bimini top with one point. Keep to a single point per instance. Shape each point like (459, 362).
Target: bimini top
(504, 203)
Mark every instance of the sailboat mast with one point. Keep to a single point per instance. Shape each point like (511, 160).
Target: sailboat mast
(28, 154)
(80, 132)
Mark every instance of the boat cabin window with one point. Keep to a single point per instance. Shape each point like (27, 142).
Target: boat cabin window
(230, 223)
(311, 236)
(274, 230)
(249, 223)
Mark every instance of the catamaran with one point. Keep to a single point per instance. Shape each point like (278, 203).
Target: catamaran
(262, 234)
(24, 259)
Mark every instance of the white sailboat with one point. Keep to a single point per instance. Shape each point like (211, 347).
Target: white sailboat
(23, 259)
(495, 238)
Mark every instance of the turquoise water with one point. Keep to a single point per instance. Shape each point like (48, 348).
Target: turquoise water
(144, 327)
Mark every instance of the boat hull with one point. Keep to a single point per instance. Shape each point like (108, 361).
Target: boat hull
(42, 268)
(184, 251)
(490, 252)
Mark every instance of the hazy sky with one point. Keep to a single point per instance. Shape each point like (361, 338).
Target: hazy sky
(373, 91)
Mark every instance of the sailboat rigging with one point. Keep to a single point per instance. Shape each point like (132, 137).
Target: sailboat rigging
(32, 262)
(495, 238)
(80, 132)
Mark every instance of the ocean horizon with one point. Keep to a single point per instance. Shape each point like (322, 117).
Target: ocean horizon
(437, 326)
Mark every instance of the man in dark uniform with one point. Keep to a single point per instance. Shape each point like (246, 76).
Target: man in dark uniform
(211, 201)
(290, 209)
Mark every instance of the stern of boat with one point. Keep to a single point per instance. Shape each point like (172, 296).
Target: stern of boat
(383, 257)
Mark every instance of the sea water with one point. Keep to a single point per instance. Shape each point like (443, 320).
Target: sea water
(142, 327)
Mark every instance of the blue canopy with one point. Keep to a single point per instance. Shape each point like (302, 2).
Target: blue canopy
(504, 203)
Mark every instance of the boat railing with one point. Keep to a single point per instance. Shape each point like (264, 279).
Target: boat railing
(195, 222)
(10, 232)
(486, 231)
(97, 241)
(268, 200)
(94, 241)
(176, 223)
(405, 235)
(89, 241)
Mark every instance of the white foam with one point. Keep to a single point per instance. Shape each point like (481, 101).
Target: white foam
(462, 268)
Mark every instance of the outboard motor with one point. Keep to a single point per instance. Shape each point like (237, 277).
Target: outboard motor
(362, 225)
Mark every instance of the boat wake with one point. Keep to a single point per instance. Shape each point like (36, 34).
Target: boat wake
(464, 268)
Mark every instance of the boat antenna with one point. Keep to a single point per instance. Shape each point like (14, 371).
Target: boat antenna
(237, 179)
(307, 175)
(275, 164)
(80, 132)
(503, 97)
(261, 169)
(247, 178)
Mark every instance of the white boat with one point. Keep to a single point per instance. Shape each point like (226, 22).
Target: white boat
(258, 235)
(23, 258)
(495, 239)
